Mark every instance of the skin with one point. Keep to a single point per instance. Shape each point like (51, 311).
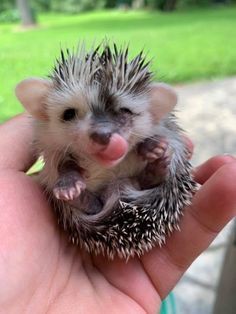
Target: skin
(41, 273)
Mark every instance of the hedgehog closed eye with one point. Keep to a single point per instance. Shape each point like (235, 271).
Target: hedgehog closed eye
(125, 110)
(69, 114)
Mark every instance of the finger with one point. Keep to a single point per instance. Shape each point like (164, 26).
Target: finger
(206, 170)
(15, 144)
(213, 207)
(130, 279)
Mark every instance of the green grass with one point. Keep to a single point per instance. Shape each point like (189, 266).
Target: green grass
(185, 46)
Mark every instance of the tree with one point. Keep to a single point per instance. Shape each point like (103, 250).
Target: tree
(26, 13)
(138, 4)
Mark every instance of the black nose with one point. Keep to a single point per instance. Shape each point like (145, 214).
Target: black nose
(101, 137)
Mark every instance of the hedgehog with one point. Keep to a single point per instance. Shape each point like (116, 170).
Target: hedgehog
(116, 168)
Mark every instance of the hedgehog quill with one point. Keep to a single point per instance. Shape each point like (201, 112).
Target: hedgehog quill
(116, 170)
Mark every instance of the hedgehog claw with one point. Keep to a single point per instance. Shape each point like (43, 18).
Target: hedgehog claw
(154, 149)
(68, 190)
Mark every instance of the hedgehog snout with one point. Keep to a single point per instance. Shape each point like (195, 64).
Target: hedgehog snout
(101, 136)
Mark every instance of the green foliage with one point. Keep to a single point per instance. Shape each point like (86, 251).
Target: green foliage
(6, 5)
(163, 5)
(153, 4)
(127, 3)
(42, 5)
(194, 3)
(75, 6)
(9, 16)
(109, 4)
(185, 46)
(68, 6)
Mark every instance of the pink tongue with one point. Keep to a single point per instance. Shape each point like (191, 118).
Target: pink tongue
(116, 149)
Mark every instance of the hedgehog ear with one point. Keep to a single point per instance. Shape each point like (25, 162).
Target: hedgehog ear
(163, 100)
(31, 93)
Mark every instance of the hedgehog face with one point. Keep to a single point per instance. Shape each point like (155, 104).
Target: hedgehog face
(98, 95)
(91, 122)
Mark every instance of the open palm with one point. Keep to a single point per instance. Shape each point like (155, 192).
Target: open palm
(41, 273)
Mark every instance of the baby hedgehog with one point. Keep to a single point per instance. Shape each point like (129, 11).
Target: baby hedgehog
(116, 168)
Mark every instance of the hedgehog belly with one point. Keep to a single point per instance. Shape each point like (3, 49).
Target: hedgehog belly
(99, 177)
(132, 228)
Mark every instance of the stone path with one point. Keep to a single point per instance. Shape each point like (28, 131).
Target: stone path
(207, 111)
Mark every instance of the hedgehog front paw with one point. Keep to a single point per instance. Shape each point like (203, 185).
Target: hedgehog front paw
(68, 188)
(158, 153)
(153, 149)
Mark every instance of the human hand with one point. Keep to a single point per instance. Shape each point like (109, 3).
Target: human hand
(41, 273)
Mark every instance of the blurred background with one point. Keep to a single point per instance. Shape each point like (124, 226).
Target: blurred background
(192, 45)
